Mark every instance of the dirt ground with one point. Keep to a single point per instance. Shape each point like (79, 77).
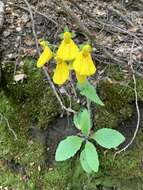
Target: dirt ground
(111, 26)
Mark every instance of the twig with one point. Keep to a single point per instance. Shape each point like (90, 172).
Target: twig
(18, 58)
(62, 90)
(136, 102)
(37, 12)
(72, 85)
(44, 68)
(81, 26)
(107, 26)
(111, 8)
(33, 25)
(85, 30)
(8, 125)
(55, 92)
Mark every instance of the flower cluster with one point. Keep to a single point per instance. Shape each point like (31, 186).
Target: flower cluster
(68, 57)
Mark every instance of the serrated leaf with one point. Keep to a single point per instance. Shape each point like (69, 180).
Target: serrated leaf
(84, 162)
(68, 148)
(92, 156)
(108, 138)
(89, 92)
(82, 121)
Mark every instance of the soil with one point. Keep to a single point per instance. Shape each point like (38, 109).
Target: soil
(115, 25)
(63, 127)
(55, 132)
(128, 127)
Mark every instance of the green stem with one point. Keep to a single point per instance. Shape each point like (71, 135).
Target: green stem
(88, 105)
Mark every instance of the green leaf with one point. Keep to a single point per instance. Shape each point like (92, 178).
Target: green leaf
(91, 156)
(81, 46)
(108, 138)
(61, 36)
(76, 120)
(68, 148)
(82, 121)
(85, 122)
(84, 162)
(73, 34)
(66, 29)
(89, 92)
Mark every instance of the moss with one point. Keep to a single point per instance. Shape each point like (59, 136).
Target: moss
(118, 99)
(125, 172)
(32, 102)
(10, 180)
(114, 72)
(116, 96)
(140, 88)
(105, 118)
(32, 96)
(59, 178)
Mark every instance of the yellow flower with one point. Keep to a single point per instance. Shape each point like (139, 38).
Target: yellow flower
(45, 56)
(83, 64)
(68, 50)
(61, 73)
(81, 78)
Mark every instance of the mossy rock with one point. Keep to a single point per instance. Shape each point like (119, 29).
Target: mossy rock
(31, 103)
(32, 96)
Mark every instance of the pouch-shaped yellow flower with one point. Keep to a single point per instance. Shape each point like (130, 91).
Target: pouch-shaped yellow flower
(67, 50)
(45, 56)
(61, 73)
(81, 78)
(83, 64)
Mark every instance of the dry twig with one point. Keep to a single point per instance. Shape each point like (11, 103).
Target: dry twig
(55, 92)
(8, 125)
(130, 63)
(44, 68)
(129, 22)
(37, 12)
(85, 30)
(107, 26)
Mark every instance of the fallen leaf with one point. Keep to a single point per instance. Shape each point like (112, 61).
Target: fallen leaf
(19, 77)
